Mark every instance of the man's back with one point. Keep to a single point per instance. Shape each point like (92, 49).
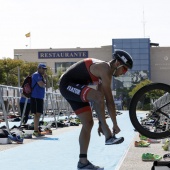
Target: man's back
(80, 72)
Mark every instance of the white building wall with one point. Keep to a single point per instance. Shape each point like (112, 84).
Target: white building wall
(31, 55)
(160, 64)
(159, 59)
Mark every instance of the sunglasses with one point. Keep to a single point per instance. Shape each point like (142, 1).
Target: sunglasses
(124, 70)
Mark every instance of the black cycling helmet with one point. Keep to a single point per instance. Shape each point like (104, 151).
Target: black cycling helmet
(124, 57)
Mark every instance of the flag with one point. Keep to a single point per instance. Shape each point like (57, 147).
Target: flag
(28, 34)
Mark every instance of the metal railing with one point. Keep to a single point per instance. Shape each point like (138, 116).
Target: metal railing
(163, 101)
(54, 104)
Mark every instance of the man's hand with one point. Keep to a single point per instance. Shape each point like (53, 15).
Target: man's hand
(45, 76)
(100, 130)
(46, 80)
(116, 129)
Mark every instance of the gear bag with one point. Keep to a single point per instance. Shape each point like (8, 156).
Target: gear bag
(26, 86)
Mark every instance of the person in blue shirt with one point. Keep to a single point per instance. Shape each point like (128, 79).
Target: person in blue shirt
(27, 109)
(39, 79)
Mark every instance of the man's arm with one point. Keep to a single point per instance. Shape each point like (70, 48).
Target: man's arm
(105, 87)
(104, 72)
(44, 83)
(41, 84)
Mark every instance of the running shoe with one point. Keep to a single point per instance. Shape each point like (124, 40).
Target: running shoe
(88, 166)
(113, 140)
(141, 143)
(37, 134)
(166, 145)
(27, 136)
(142, 137)
(150, 157)
(16, 138)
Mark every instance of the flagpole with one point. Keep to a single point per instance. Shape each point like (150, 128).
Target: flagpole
(28, 35)
(30, 39)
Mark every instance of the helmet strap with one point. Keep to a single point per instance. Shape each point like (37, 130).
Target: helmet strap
(116, 69)
(114, 72)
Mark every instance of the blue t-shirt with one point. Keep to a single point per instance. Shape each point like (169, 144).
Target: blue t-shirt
(37, 92)
(22, 100)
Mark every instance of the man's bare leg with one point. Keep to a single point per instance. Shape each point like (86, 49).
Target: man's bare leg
(36, 121)
(84, 138)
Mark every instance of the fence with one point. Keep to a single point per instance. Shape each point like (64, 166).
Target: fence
(54, 103)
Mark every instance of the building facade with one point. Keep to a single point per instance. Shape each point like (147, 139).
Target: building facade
(61, 59)
(139, 49)
(149, 62)
(160, 64)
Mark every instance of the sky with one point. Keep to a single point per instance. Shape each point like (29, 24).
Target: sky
(80, 23)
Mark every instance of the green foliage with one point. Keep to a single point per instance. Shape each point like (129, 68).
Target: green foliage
(138, 86)
(8, 70)
(57, 79)
(26, 69)
(54, 80)
(11, 68)
(146, 98)
(146, 107)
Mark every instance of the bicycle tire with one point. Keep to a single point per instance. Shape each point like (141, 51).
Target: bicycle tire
(133, 111)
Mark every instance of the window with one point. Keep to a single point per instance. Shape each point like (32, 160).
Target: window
(62, 67)
(139, 49)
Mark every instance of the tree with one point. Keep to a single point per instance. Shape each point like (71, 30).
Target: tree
(9, 69)
(138, 86)
(9, 72)
(26, 69)
(55, 80)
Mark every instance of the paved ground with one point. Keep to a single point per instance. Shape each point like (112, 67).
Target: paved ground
(61, 150)
(55, 132)
(132, 160)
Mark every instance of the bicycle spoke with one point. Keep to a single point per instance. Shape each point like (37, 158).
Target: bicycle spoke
(152, 105)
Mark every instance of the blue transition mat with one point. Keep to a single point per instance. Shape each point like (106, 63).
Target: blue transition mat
(61, 152)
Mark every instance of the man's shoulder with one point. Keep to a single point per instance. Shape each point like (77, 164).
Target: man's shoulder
(37, 76)
(93, 59)
(35, 73)
(105, 69)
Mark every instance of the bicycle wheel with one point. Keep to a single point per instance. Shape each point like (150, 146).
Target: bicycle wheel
(149, 110)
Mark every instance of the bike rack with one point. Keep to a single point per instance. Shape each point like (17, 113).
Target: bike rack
(56, 100)
(162, 101)
(159, 103)
(9, 98)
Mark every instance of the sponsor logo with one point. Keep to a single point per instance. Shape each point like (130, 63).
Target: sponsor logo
(124, 59)
(73, 90)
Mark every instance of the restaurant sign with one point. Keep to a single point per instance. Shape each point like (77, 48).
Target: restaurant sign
(62, 54)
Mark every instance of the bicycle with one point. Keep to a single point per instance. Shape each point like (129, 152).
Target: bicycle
(150, 110)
